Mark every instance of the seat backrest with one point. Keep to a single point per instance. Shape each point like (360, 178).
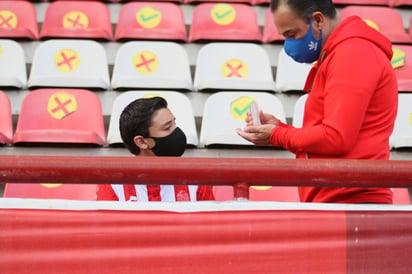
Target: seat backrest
(290, 75)
(154, 65)
(18, 19)
(224, 22)
(402, 62)
(64, 116)
(270, 32)
(224, 112)
(6, 124)
(50, 191)
(151, 21)
(233, 66)
(402, 133)
(178, 103)
(299, 109)
(362, 2)
(70, 64)
(77, 19)
(12, 65)
(397, 3)
(386, 20)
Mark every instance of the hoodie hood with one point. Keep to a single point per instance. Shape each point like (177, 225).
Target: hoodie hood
(355, 27)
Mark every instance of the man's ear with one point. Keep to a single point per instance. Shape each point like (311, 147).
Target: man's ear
(318, 20)
(141, 142)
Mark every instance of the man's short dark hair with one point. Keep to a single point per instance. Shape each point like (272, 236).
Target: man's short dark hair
(305, 8)
(136, 118)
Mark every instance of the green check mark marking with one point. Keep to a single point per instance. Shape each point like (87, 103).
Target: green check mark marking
(148, 18)
(223, 15)
(240, 112)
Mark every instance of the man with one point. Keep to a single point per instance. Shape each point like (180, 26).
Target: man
(352, 101)
(148, 129)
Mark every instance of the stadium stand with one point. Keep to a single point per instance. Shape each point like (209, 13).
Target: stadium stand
(226, 111)
(60, 116)
(384, 19)
(12, 65)
(224, 22)
(18, 20)
(77, 19)
(69, 63)
(233, 66)
(178, 103)
(151, 21)
(152, 65)
(6, 124)
(362, 2)
(402, 133)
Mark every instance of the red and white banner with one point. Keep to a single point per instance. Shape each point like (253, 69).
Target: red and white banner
(273, 238)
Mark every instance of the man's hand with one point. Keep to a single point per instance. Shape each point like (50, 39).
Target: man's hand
(259, 135)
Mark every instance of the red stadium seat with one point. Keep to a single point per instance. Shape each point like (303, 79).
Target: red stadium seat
(77, 19)
(6, 124)
(85, 192)
(397, 3)
(250, 2)
(224, 22)
(361, 2)
(152, 21)
(267, 193)
(270, 32)
(404, 73)
(18, 19)
(64, 116)
(386, 20)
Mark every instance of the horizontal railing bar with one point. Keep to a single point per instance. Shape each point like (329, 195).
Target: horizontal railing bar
(210, 171)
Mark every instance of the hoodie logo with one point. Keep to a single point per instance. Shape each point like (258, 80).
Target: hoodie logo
(313, 45)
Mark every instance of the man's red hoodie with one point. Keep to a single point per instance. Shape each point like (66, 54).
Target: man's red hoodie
(350, 109)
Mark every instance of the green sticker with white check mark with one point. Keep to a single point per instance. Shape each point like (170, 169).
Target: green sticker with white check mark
(223, 14)
(148, 17)
(240, 107)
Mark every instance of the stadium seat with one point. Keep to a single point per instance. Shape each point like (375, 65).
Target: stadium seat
(178, 103)
(226, 111)
(249, 2)
(152, 65)
(151, 21)
(60, 116)
(71, 64)
(233, 66)
(260, 2)
(224, 22)
(77, 19)
(85, 192)
(259, 193)
(6, 124)
(270, 32)
(290, 75)
(12, 65)
(397, 3)
(386, 20)
(402, 133)
(401, 196)
(297, 119)
(362, 2)
(18, 20)
(404, 71)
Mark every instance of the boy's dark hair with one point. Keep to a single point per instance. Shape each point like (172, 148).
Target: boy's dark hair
(305, 8)
(136, 118)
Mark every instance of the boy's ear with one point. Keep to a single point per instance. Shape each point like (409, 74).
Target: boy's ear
(140, 142)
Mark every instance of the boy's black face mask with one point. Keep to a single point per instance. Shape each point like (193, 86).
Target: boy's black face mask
(173, 144)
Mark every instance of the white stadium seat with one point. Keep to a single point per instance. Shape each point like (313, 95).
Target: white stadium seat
(225, 111)
(233, 66)
(178, 103)
(152, 65)
(12, 65)
(70, 63)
